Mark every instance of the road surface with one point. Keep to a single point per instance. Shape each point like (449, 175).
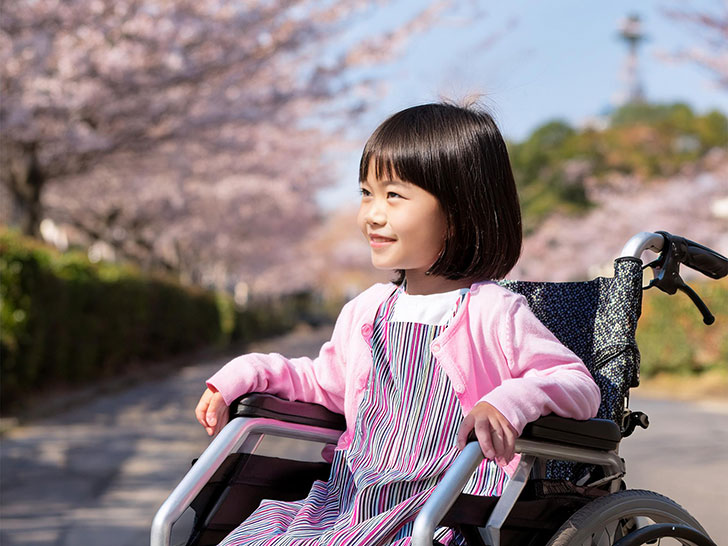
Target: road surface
(97, 473)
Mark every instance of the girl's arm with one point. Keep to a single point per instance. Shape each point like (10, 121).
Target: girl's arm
(320, 380)
(546, 377)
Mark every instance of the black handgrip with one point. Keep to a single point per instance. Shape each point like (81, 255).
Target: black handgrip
(696, 256)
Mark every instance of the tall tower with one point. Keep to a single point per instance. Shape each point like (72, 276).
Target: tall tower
(630, 31)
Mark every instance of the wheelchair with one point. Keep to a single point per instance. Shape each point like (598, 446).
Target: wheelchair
(568, 488)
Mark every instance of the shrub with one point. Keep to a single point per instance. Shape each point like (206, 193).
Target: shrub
(554, 165)
(671, 334)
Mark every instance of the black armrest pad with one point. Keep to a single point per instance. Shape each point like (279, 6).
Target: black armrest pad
(273, 407)
(593, 433)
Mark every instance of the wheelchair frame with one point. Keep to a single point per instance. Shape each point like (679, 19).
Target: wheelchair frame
(550, 437)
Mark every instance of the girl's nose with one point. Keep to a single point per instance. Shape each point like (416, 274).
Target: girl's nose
(375, 214)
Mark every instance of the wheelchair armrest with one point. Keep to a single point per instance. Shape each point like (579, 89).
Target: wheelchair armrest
(273, 407)
(601, 434)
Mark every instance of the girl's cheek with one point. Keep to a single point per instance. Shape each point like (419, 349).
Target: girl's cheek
(361, 220)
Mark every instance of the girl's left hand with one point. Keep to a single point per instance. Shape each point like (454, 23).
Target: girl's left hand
(496, 436)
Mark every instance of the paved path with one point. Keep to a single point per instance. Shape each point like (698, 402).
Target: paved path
(683, 455)
(95, 475)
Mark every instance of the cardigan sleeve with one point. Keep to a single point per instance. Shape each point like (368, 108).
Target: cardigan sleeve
(320, 380)
(546, 377)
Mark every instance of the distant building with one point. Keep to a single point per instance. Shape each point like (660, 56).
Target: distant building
(630, 31)
(633, 90)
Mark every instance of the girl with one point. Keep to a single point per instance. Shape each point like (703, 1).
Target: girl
(416, 365)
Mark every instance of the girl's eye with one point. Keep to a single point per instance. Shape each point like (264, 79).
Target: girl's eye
(393, 194)
(364, 193)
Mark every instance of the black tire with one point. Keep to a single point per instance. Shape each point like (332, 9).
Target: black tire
(653, 534)
(607, 519)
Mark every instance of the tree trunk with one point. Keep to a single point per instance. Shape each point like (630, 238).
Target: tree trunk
(25, 179)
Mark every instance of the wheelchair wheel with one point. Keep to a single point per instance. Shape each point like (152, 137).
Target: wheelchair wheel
(605, 520)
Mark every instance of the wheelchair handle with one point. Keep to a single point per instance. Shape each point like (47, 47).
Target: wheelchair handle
(640, 243)
(673, 251)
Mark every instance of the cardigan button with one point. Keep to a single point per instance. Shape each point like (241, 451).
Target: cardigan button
(459, 388)
(366, 330)
(435, 347)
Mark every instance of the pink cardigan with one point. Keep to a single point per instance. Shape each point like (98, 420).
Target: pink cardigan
(494, 350)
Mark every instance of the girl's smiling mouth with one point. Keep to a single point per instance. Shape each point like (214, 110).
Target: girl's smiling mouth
(379, 240)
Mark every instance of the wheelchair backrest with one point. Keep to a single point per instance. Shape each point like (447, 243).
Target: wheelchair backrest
(597, 320)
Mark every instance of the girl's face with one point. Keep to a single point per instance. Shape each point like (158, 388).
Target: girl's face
(404, 225)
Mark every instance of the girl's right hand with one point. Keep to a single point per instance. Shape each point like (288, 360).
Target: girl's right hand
(211, 411)
(496, 436)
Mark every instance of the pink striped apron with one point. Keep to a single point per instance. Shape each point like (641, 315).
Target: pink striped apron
(404, 440)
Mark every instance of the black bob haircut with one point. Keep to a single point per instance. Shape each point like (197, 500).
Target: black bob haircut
(458, 155)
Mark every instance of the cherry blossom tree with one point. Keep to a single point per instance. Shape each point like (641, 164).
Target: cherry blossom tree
(710, 29)
(181, 133)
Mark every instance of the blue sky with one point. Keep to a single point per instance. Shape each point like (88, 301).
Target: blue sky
(535, 61)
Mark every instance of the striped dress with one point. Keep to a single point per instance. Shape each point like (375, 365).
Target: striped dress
(404, 441)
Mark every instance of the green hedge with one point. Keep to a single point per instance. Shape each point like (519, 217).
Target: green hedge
(276, 316)
(65, 320)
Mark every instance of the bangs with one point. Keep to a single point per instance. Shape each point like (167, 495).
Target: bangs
(384, 166)
(396, 150)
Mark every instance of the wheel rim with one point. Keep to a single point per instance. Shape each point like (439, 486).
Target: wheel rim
(641, 530)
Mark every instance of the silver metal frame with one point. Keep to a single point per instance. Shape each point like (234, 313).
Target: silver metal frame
(640, 243)
(241, 435)
(452, 483)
